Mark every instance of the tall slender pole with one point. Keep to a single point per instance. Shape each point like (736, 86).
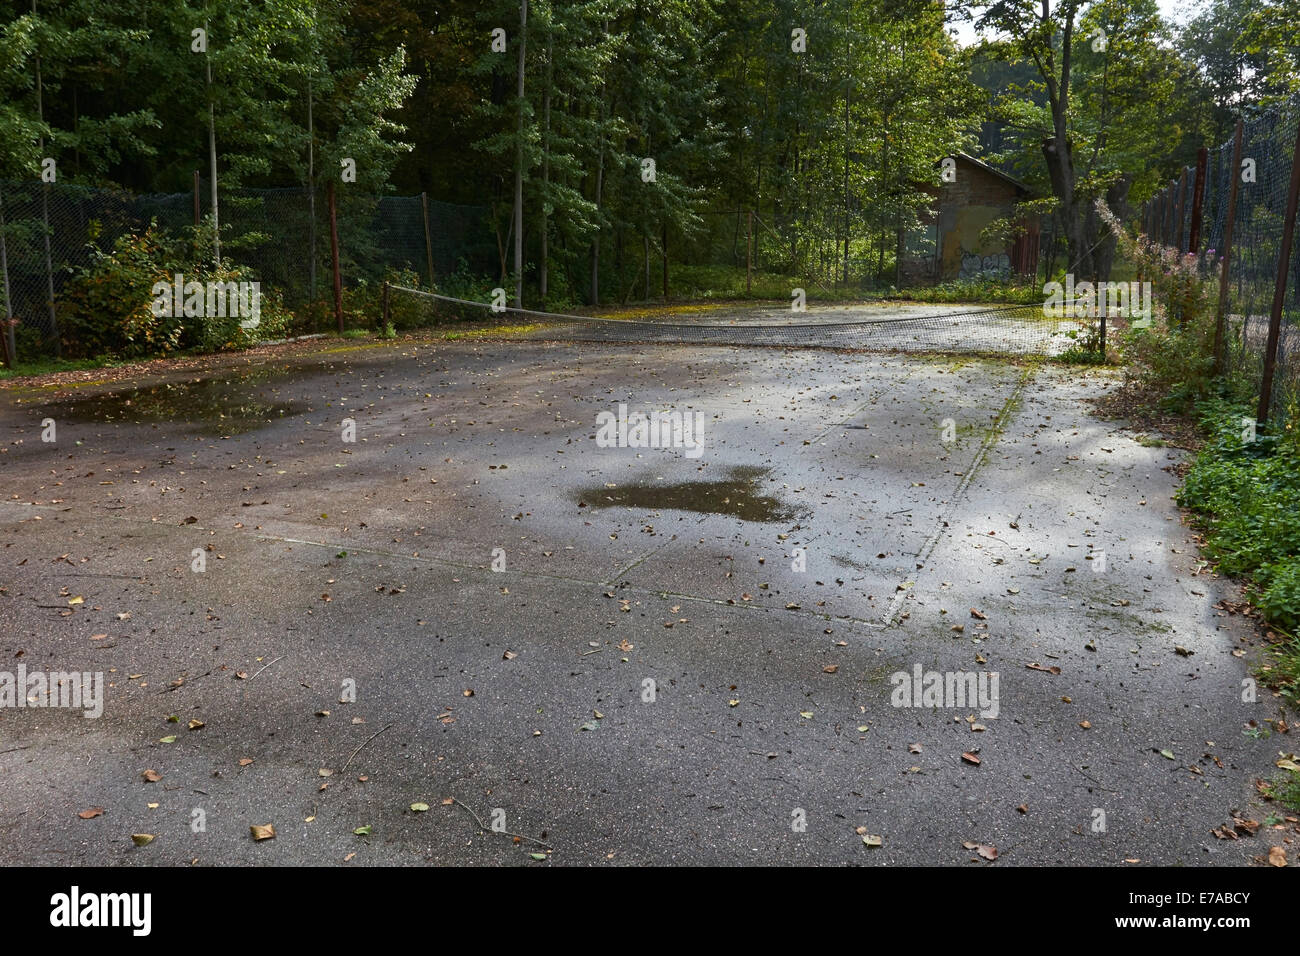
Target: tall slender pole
(334, 257)
(212, 154)
(519, 165)
(1230, 220)
(1279, 287)
(11, 354)
(1198, 202)
(45, 213)
(1181, 203)
(428, 242)
(749, 256)
(311, 196)
(197, 214)
(665, 245)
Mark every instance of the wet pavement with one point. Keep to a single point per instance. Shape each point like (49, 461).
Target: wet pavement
(625, 655)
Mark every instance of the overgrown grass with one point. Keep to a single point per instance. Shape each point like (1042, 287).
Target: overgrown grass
(1245, 487)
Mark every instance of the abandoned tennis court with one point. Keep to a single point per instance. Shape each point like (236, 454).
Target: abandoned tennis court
(475, 635)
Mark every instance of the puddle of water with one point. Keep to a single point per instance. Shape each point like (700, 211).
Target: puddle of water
(214, 406)
(736, 496)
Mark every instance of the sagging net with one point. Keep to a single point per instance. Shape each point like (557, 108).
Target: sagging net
(1009, 329)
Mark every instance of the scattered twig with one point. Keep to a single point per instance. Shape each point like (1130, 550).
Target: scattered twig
(358, 750)
(265, 666)
(483, 826)
(13, 749)
(1094, 780)
(179, 682)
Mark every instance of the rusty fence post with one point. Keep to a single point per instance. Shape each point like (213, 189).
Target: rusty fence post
(428, 241)
(334, 256)
(1198, 203)
(1180, 205)
(1225, 276)
(1279, 287)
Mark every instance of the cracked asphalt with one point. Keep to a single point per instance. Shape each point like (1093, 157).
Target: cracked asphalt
(619, 656)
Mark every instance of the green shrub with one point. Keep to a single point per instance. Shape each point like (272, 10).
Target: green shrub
(106, 308)
(1277, 592)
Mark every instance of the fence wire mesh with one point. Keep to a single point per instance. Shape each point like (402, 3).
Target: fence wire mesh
(49, 232)
(1262, 182)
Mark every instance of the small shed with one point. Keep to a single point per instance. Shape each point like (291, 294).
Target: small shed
(948, 246)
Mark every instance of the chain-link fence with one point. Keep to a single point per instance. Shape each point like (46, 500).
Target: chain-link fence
(48, 232)
(773, 249)
(1238, 202)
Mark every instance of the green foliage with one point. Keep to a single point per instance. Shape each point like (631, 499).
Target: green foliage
(1172, 358)
(1278, 593)
(106, 308)
(1247, 495)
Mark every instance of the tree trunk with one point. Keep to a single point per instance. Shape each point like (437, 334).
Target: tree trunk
(546, 167)
(519, 163)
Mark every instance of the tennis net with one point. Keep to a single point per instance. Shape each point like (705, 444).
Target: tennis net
(1015, 329)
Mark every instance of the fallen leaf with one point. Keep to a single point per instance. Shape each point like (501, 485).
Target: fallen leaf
(142, 839)
(91, 813)
(1276, 856)
(984, 850)
(971, 758)
(151, 776)
(872, 839)
(419, 807)
(264, 831)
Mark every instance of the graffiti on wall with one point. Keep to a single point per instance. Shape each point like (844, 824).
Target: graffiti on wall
(975, 266)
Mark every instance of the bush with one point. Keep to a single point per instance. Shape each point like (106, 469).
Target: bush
(105, 308)
(1174, 356)
(1277, 591)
